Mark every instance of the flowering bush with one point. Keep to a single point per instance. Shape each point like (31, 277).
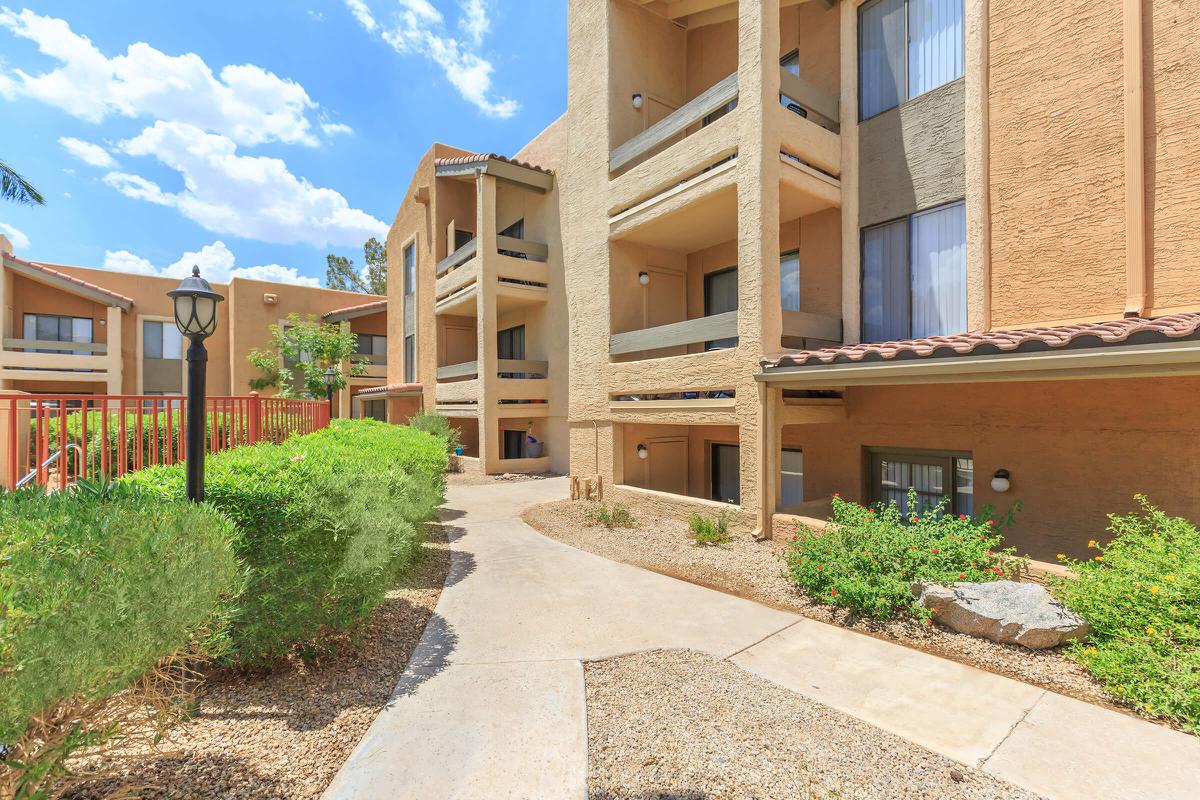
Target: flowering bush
(868, 558)
(1142, 595)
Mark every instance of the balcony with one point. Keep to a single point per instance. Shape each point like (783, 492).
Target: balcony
(712, 328)
(521, 275)
(46, 360)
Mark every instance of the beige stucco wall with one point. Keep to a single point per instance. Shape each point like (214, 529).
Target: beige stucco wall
(912, 157)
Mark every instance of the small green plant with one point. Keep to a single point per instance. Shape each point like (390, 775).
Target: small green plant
(1141, 593)
(868, 558)
(710, 530)
(439, 426)
(614, 516)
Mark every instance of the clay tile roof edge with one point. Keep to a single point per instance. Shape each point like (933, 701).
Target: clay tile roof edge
(393, 388)
(354, 311)
(473, 158)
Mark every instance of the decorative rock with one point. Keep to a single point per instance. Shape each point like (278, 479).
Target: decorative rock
(1003, 611)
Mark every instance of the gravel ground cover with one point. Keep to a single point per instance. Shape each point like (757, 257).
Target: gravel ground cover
(681, 724)
(476, 478)
(284, 734)
(750, 569)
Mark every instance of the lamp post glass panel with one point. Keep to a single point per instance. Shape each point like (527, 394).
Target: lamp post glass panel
(330, 375)
(196, 317)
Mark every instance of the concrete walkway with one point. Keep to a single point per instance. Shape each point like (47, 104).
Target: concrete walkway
(492, 703)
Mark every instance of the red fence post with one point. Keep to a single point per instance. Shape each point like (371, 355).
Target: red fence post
(254, 417)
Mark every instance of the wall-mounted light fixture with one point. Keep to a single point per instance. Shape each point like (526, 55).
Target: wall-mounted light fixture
(644, 278)
(643, 453)
(1000, 481)
(637, 100)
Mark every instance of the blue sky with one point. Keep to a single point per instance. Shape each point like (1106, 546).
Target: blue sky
(254, 136)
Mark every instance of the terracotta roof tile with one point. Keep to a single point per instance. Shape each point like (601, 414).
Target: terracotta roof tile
(393, 388)
(475, 157)
(53, 273)
(358, 309)
(1132, 330)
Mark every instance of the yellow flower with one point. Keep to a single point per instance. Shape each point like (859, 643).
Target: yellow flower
(1150, 630)
(1155, 535)
(1092, 544)
(1153, 590)
(1089, 651)
(1062, 557)
(1149, 710)
(1173, 555)
(1168, 577)
(1099, 558)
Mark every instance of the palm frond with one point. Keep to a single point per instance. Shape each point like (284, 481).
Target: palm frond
(15, 188)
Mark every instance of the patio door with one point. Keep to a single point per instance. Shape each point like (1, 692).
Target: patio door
(720, 296)
(510, 345)
(726, 473)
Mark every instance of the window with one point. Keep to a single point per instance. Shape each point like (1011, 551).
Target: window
(720, 296)
(914, 276)
(373, 346)
(410, 268)
(791, 63)
(510, 346)
(161, 340)
(726, 473)
(934, 476)
(52, 328)
(789, 280)
(907, 48)
(410, 359)
(791, 477)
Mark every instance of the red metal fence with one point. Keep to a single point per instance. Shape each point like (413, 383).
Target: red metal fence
(56, 439)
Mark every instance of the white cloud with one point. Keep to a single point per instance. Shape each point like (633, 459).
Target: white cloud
(363, 14)
(19, 240)
(244, 102)
(87, 152)
(216, 262)
(316, 16)
(334, 128)
(255, 197)
(421, 29)
(475, 22)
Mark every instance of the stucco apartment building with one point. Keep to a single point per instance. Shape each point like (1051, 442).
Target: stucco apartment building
(75, 330)
(794, 249)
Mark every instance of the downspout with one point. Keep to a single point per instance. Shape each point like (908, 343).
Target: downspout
(1135, 163)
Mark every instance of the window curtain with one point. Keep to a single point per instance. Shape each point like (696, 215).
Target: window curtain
(939, 271)
(410, 269)
(897, 477)
(881, 56)
(789, 281)
(935, 44)
(885, 290)
(791, 477)
(410, 357)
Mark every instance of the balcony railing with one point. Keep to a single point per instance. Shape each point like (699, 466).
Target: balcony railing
(45, 354)
(695, 110)
(692, 331)
(510, 368)
(459, 257)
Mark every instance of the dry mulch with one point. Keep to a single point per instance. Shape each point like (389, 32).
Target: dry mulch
(285, 734)
(683, 725)
(750, 569)
(476, 478)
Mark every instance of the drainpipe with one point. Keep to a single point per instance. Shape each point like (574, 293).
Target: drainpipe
(1135, 164)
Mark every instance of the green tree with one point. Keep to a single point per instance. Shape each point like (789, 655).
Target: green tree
(18, 190)
(340, 272)
(300, 352)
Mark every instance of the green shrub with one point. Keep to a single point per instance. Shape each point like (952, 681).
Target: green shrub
(327, 522)
(710, 530)
(96, 589)
(439, 426)
(868, 558)
(614, 516)
(1142, 596)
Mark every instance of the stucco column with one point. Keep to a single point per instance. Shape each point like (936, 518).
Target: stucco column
(343, 398)
(759, 310)
(485, 323)
(978, 190)
(114, 364)
(851, 284)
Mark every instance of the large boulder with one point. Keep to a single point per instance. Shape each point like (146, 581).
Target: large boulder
(1003, 611)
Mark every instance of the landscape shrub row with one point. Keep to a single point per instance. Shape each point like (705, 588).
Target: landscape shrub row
(326, 523)
(96, 589)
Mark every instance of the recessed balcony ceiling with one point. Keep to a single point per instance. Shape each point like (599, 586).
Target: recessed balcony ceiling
(692, 219)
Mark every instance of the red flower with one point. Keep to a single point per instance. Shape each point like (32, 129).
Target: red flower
(870, 511)
(935, 550)
(961, 576)
(962, 516)
(833, 592)
(820, 567)
(981, 537)
(837, 494)
(991, 522)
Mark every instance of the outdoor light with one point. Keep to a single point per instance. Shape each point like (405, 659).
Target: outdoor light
(330, 374)
(196, 318)
(644, 278)
(643, 453)
(637, 100)
(1000, 481)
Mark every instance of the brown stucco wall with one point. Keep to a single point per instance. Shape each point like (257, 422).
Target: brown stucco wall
(912, 157)
(1056, 161)
(1076, 450)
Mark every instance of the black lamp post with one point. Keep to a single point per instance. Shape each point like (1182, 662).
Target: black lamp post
(196, 318)
(330, 374)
